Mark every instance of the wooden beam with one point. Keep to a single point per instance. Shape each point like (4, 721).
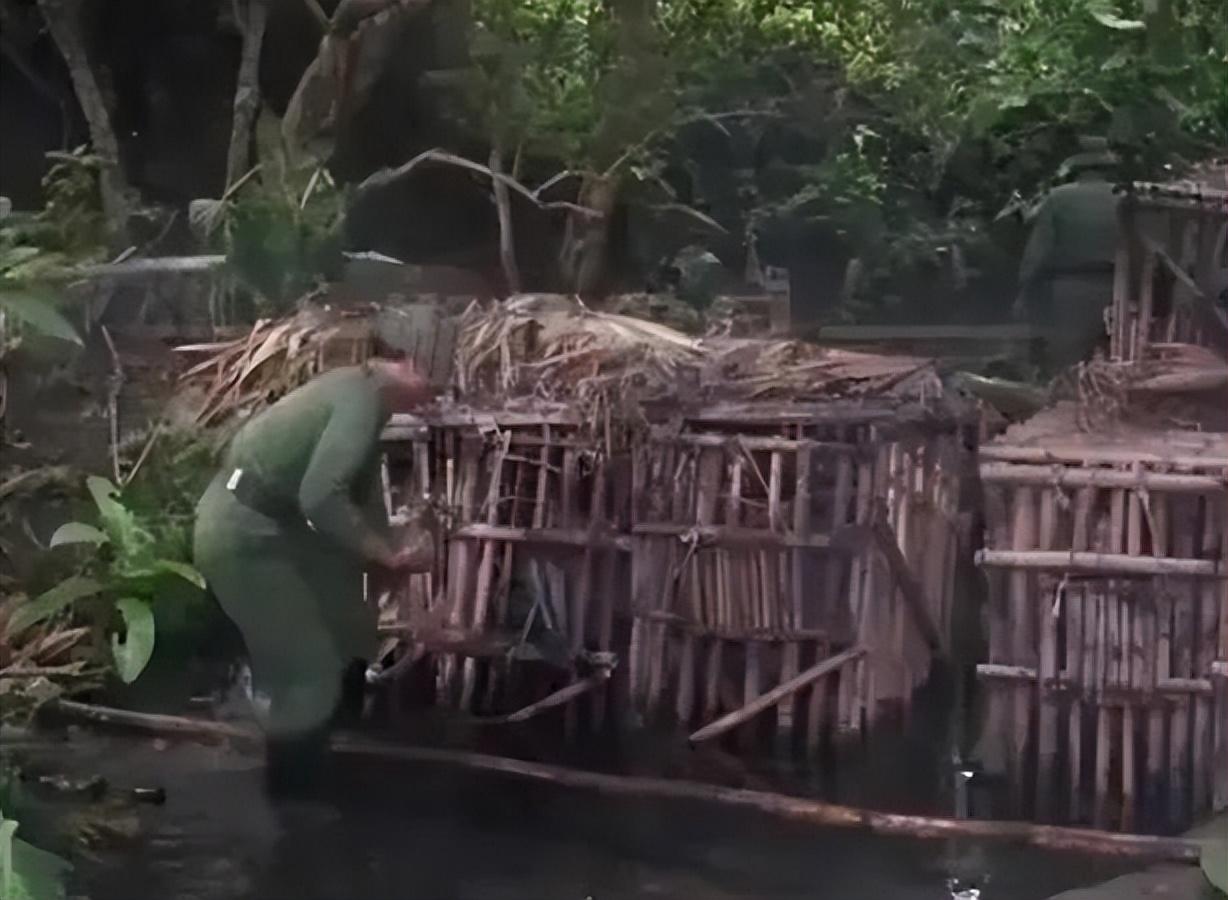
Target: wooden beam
(1073, 562)
(732, 536)
(1162, 685)
(1215, 456)
(569, 537)
(775, 695)
(1069, 476)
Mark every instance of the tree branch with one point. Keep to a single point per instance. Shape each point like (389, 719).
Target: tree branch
(386, 177)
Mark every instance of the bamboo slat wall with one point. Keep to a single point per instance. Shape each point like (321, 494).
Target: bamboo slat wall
(1165, 231)
(1108, 624)
(718, 562)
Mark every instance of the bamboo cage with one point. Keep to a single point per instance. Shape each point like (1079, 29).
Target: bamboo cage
(1170, 270)
(529, 506)
(791, 569)
(785, 566)
(1106, 700)
(780, 569)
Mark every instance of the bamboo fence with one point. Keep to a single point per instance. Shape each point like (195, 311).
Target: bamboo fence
(1171, 265)
(1108, 623)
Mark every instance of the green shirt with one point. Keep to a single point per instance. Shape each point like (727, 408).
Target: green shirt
(1074, 230)
(318, 448)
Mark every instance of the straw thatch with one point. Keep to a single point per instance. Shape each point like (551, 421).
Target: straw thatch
(239, 376)
(556, 349)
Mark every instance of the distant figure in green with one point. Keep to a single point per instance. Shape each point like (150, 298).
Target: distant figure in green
(1066, 275)
(283, 536)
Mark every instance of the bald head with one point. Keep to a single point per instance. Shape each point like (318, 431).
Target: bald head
(402, 386)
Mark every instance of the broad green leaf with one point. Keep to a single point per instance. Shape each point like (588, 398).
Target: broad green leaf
(12, 257)
(60, 597)
(132, 654)
(166, 567)
(131, 542)
(183, 570)
(37, 874)
(77, 533)
(39, 314)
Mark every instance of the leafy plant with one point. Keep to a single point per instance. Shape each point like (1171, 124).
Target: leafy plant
(122, 578)
(27, 873)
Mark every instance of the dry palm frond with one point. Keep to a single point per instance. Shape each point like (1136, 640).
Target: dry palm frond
(40, 663)
(239, 376)
(606, 365)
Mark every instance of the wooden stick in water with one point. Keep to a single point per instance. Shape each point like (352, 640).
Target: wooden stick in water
(764, 701)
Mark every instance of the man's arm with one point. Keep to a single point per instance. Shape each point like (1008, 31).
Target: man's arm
(341, 457)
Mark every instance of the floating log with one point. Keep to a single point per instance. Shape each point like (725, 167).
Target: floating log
(775, 695)
(798, 809)
(1063, 476)
(1100, 563)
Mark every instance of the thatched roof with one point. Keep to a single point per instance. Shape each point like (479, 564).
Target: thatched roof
(538, 351)
(553, 348)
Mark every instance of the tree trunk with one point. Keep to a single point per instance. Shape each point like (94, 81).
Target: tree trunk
(247, 92)
(64, 22)
(586, 240)
(507, 236)
(640, 101)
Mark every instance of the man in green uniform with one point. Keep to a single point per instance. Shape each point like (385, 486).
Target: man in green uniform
(1066, 276)
(283, 536)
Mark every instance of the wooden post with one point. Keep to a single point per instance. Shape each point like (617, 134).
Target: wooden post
(707, 488)
(481, 597)
(1184, 597)
(1049, 608)
(1022, 613)
(1206, 642)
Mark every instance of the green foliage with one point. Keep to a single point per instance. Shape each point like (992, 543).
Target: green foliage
(280, 226)
(23, 303)
(27, 873)
(901, 126)
(121, 573)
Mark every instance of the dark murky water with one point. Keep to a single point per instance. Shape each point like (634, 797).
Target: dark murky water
(435, 833)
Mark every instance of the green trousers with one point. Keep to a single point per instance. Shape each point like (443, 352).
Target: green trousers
(1071, 317)
(296, 598)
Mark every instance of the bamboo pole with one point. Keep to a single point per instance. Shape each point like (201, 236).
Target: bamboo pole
(795, 809)
(1219, 759)
(1107, 564)
(1132, 635)
(1021, 614)
(498, 670)
(1074, 614)
(1182, 666)
(1210, 455)
(707, 489)
(1208, 599)
(486, 566)
(459, 565)
(773, 697)
(1048, 613)
(1065, 476)
(790, 610)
